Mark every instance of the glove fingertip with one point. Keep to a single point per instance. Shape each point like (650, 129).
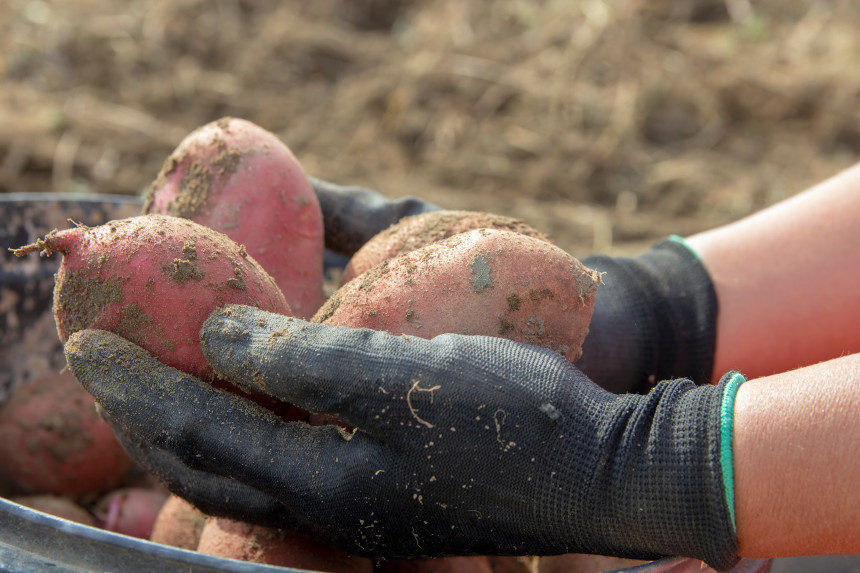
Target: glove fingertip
(92, 354)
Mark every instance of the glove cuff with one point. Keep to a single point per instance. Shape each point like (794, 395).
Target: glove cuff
(667, 308)
(687, 324)
(669, 487)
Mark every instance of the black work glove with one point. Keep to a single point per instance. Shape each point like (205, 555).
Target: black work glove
(352, 215)
(466, 445)
(655, 318)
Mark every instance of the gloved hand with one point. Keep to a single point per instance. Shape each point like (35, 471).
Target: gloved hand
(465, 445)
(655, 318)
(352, 215)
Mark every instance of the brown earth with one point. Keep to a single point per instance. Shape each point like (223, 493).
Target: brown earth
(605, 124)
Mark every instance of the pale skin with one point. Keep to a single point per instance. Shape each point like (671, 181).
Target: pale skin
(797, 461)
(788, 280)
(788, 285)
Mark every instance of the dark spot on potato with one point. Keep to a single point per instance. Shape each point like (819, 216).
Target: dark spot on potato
(537, 295)
(133, 321)
(188, 251)
(194, 191)
(183, 270)
(535, 326)
(226, 163)
(505, 326)
(81, 299)
(370, 277)
(481, 278)
(412, 318)
(237, 283)
(514, 302)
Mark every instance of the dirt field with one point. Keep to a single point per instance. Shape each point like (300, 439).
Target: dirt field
(606, 124)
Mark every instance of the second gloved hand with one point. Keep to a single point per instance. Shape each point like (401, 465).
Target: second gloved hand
(353, 215)
(466, 445)
(655, 318)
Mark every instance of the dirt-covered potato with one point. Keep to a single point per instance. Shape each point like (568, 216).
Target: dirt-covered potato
(179, 524)
(237, 540)
(52, 441)
(153, 280)
(485, 281)
(411, 233)
(239, 179)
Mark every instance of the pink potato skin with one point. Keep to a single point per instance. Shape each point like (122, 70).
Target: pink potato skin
(130, 511)
(485, 281)
(52, 441)
(411, 233)
(153, 280)
(179, 524)
(238, 540)
(237, 178)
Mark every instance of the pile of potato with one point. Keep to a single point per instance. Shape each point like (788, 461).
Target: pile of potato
(232, 218)
(58, 456)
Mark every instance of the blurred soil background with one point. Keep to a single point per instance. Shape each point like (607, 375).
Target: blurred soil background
(606, 124)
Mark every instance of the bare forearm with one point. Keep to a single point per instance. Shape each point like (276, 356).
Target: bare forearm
(797, 461)
(787, 280)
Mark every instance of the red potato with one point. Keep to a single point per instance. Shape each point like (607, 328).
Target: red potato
(237, 540)
(484, 281)
(411, 233)
(58, 507)
(130, 511)
(52, 440)
(241, 180)
(153, 280)
(179, 524)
